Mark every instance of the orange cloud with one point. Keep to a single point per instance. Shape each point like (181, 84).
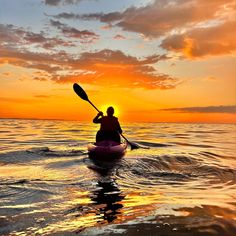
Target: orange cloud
(16, 100)
(6, 74)
(113, 68)
(42, 96)
(202, 42)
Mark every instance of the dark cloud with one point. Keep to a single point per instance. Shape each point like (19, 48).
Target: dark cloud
(15, 36)
(61, 2)
(72, 16)
(57, 24)
(119, 37)
(52, 2)
(46, 62)
(161, 16)
(208, 109)
(85, 36)
(106, 18)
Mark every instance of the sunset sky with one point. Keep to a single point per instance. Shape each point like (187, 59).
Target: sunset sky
(153, 60)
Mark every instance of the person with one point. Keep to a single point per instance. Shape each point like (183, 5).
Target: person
(110, 127)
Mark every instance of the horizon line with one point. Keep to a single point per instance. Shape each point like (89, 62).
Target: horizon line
(57, 119)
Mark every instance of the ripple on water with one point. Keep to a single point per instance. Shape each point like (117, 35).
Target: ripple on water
(21, 196)
(175, 170)
(179, 183)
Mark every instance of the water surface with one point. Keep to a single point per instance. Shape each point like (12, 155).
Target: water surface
(182, 182)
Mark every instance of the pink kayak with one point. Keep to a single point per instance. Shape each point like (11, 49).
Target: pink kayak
(107, 149)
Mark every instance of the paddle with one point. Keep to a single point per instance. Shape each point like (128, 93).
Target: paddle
(82, 94)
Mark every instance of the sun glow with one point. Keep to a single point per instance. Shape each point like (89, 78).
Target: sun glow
(105, 106)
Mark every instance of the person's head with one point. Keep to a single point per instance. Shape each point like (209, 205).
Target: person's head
(110, 111)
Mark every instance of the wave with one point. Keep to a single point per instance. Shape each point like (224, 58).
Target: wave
(193, 145)
(152, 144)
(171, 169)
(38, 153)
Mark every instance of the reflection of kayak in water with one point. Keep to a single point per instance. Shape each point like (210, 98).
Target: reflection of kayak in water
(107, 149)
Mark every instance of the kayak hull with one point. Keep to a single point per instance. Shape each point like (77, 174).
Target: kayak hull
(107, 150)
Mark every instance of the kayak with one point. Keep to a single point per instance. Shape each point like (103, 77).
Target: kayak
(107, 149)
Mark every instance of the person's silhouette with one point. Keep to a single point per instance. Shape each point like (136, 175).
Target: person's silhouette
(110, 127)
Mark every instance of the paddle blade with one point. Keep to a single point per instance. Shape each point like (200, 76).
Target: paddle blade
(133, 146)
(80, 92)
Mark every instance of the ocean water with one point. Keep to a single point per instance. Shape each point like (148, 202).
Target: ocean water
(180, 182)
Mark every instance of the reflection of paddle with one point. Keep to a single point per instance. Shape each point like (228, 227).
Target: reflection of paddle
(82, 94)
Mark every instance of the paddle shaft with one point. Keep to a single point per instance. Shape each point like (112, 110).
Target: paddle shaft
(93, 105)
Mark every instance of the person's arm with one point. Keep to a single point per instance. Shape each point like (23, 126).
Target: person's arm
(118, 127)
(96, 119)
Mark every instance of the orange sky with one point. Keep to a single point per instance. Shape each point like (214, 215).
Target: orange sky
(155, 62)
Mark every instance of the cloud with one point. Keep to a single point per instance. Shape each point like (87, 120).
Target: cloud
(105, 18)
(194, 28)
(161, 16)
(16, 100)
(202, 42)
(42, 96)
(15, 36)
(85, 36)
(61, 2)
(208, 109)
(119, 37)
(47, 62)
(40, 78)
(210, 78)
(104, 67)
(114, 68)
(6, 74)
(52, 2)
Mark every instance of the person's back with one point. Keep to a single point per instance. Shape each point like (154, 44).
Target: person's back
(110, 127)
(109, 123)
